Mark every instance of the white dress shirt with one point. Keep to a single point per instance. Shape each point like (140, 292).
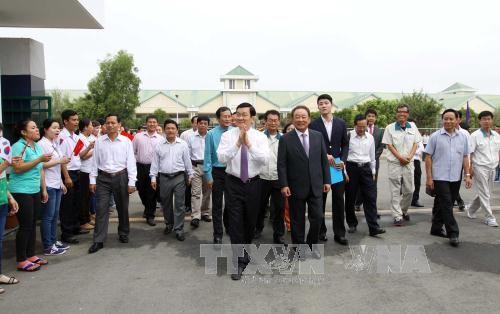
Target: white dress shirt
(187, 134)
(418, 153)
(86, 165)
(113, 156)
(170, 158)
(270, 170)
(196, 144)
(52, 174)
(328, 127)
(68, 142)
(145, 145)
(229, 153)
(362, 149)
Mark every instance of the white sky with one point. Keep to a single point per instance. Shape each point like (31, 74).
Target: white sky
(370, 45)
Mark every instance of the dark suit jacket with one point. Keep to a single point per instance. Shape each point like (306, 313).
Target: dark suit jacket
(300, 173)
(377, 136)
(337, 146)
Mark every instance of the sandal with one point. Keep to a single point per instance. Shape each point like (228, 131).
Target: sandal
(38, 260)
(27, 266)
(8, 280)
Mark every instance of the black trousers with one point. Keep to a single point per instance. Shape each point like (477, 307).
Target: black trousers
(29, 207)
(147, 195)
(442, 211)
(359, 197)
(70, 207)
(84, 215)
(298, 219)
(187, 198)
(417, 178)
(243, 208)
(271, 189)
(361, 179)
(337, 210)
(219, 214)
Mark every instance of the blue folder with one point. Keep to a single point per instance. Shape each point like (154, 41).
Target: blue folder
(336, 174)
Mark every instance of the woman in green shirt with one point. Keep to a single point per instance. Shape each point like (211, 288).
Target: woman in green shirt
(27, 185)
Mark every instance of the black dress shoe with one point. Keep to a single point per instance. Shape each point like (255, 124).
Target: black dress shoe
(351, 229)
(151, 222)
(82, 231)
(206, 218)
(70, 240)
(257, 234)
(406, 217)
(217, 240)
(439, 233)
(195, 223)
(323, 238)
(123, 239)
(168, 229)
(454, 241)
(340, 240)
(279, 240)
(95, 247)
(374, 232)
(180, 237)
(417, 204)
(238, 275)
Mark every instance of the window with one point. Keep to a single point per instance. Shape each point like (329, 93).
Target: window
(247, 84)
(231, 84)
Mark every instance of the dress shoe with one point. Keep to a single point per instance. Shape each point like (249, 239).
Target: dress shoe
(340, 240)
(439, 233)
(238, 275)
(95, 247)
(195, 223)
(374, 232)
(82, 231)
(323, 238)
(417, 204)
(351, 229)
(86, 226)
(217, 240)
(257, 234)
(454, 241)
(70, 240)
(279, 240)
(180, 237)
(151, 222)
(168, 229)
(206, 218)
(406, 217)
(123, 238)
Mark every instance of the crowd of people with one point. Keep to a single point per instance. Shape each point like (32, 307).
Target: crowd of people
(73, 171)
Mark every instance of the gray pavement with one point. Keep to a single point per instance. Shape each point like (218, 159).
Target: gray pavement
(155, 273)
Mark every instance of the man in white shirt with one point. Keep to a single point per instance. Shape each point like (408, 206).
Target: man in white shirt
(86, 128)
(171, 164)
(114, 170)
(270, 185)
(200, 193)
(417, 175)
(185, 136)
(361, 170)
(485, 149)
(245, 151)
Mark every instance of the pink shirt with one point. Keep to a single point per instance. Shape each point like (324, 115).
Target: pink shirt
(144, 146)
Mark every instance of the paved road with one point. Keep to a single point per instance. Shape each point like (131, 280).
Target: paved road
(155, 273)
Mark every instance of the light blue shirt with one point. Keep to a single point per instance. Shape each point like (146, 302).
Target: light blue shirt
(212, 141)
(27, 182)
(447, 152)
(170, 158)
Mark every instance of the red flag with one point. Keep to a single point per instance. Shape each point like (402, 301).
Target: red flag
(125, 133)
(78, 147)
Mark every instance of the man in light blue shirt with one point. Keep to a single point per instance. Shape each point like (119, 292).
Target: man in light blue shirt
(215, 171)
(447, 152)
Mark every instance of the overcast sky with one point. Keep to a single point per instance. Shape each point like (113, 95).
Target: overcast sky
(383, 45)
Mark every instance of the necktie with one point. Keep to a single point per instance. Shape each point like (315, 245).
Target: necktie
(244, 163)
(371, 129)
(305, 144)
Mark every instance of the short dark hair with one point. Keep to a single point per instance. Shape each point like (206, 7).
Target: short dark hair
(113, 115)
(372, 111)
(83, 123)
(47, 123)
(68, 113)
(464, 125)
(170, 121)
(402, 105)
(203, 118)
(459, 114)
(273, 112)
(221, 110)
(253, 113)
(101, 121)
(20, 126)
(359, 117)
(151, 116)
(485, 113)
(194, 117)
(96, 123)
(449, 110)
(286, 127)
(301, 107)
(325, 96)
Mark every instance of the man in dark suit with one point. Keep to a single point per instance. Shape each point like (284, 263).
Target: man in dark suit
(334, 134)
(371, 119)
(303, 175)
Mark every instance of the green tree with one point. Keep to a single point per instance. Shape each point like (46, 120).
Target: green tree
(423, 109)
(162, 115)
(386, 110)
(60, 101)
(347, 114)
